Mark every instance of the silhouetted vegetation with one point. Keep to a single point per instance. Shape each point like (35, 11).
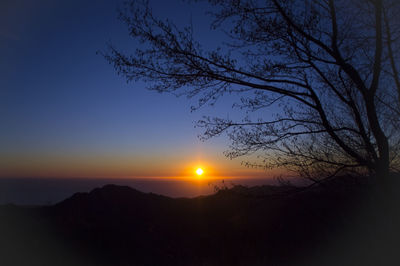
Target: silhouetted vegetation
(328, 67)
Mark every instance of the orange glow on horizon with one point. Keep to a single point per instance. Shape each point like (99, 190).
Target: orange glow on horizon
(126, 166)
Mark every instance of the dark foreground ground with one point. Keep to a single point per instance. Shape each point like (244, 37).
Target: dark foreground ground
(348, 223)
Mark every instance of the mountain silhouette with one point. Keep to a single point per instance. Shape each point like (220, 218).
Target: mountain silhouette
(263, 225)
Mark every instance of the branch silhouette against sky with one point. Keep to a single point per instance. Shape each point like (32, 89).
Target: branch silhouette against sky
(329, 66)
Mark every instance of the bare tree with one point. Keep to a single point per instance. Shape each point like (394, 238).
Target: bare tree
(329, 64)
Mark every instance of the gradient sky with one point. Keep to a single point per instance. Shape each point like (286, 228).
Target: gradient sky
(65, 112)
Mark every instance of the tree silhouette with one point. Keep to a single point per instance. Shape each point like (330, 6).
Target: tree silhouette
(330, 65)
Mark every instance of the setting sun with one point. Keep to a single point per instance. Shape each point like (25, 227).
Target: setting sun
(199, 171)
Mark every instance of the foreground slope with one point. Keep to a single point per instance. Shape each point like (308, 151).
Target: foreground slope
(117, 225)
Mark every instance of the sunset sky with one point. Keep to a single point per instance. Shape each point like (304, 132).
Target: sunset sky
(64, 112)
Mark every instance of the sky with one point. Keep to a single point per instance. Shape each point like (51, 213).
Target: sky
(64, 111)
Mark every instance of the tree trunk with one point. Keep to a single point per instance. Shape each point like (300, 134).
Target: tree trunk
(383, 163)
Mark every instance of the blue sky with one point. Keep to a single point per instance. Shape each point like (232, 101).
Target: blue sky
(61, 103)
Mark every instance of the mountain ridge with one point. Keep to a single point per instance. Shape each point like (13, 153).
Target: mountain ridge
(119, 225)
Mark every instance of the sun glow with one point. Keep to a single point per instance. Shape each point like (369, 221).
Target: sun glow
(199, 171)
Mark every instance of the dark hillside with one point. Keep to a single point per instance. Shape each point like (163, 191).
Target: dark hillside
(264, 225)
